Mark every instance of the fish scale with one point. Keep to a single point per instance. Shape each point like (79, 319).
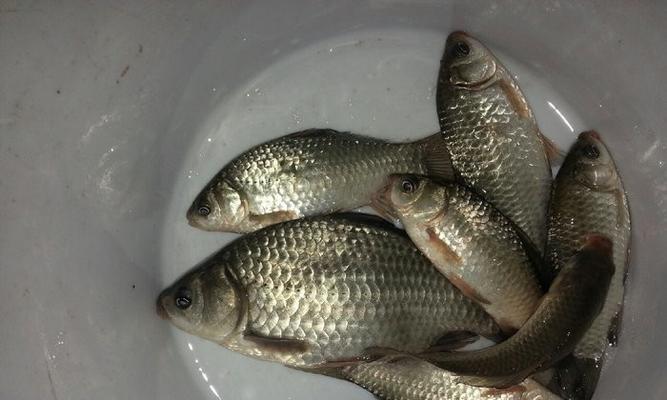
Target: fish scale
(312, 172)
(495, 150)
(505, 153)
(470, 242)
(564, 315)
(340, 284)
(578, 211)
(404, 377)
(307, 158)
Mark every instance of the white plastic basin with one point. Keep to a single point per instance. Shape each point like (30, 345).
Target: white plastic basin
(114, 114)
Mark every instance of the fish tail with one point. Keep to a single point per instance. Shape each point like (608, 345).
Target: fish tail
(578, 377)
(437, 159)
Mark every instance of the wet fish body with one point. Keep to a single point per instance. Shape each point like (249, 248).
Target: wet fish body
(322, 289)
(312, 172)
(564, 315)
(588, 197)
(469, 241)
(402, 377)
(491, 133)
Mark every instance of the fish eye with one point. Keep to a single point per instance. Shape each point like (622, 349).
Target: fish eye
(183, 298)
(461, 49)
(591, 151)
(204, 210)
(408, 185)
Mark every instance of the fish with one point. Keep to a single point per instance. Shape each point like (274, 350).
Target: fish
(314, 293)
(306, 173)
(494, 141)
(589, 196)
(564, 315)
(406, 377)
(467, 239)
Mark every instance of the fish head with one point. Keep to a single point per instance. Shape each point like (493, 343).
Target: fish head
(414, 198)
(467, 62)
(591, 163)
(219, 207)
(205, 303)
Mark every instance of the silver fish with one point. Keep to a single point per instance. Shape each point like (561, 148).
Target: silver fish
(491, 133)
(315, 292)
(404, 377)
(313, 172)
(564, 315)
(473, 244)
(588, 197)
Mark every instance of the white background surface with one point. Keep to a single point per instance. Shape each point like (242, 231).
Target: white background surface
(106, 111)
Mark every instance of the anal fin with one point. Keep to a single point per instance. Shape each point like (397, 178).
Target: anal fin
(277, 345)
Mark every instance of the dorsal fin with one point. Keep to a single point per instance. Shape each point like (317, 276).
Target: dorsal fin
(555, 155)
(315, 132)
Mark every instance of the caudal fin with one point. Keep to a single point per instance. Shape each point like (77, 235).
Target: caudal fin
(437, 159)
(578, 377)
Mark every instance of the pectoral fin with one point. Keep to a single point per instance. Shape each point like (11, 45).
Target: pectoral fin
(442, 248)
(468, 291)
(447, 255)
(515, 99)
(273, 217)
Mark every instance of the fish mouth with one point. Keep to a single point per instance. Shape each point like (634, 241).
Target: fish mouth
(190, 216)
(160, 310)
(381, 202)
